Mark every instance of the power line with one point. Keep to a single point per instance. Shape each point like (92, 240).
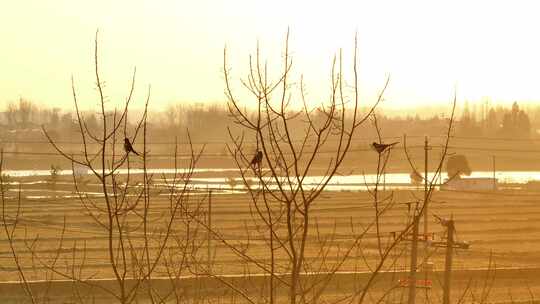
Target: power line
(366, 139)
(475, 138)
(496, 138)
(220, 154)
(494, 149)
(67, 142)
(216, 154)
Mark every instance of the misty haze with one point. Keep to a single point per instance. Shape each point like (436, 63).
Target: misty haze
(269, 152)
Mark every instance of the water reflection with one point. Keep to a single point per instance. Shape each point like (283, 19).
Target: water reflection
(225, 183)
(512, 177)
(27, 173)
(519, 177)
(392, 181)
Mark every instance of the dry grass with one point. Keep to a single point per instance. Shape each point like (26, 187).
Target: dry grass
(504, 223)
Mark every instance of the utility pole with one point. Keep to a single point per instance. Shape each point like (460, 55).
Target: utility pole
(425, 266)
(440, 172)
(448, 263)
(209, 235)
(414, 254)
(426, 179)
(450, 244)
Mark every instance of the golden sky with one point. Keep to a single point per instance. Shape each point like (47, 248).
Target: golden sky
(485, 48)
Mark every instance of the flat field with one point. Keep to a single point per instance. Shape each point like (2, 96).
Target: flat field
(500, 226)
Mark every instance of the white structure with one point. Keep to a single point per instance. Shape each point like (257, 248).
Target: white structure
(470, 184)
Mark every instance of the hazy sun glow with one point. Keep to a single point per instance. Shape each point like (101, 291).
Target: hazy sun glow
(485, 48)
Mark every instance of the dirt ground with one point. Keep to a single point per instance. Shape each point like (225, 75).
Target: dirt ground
(468, 286)
(500, 226)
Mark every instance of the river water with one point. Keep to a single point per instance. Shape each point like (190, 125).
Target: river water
(337, 183)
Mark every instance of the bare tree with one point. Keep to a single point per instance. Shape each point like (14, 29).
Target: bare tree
(289, 145)
(25, 111)
(139, 244)
(277, 151)
(11, 113)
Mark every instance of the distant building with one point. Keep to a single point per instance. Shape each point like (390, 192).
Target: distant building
(470, 184)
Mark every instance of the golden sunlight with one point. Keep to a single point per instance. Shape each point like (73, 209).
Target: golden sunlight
(270, 151)
(485, 48)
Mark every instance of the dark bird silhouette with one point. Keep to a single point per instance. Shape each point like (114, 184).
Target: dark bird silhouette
(257, 159)
(380, 148)
(128, 147)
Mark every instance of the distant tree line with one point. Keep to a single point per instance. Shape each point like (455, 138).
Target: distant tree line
(211, 121)
(26, 114)
(498, 121)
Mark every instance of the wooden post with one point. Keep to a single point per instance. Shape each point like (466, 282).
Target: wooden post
(448, 261)
(209, 235)
(414, 254)
(440, 173)
(426, 179)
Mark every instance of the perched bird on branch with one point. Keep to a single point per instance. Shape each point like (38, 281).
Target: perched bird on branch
(257, 159)
(380, 148)
(128, 147)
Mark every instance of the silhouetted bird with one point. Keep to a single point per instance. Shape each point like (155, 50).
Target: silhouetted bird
(257, 159)
(128, 147)
(380, 148)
